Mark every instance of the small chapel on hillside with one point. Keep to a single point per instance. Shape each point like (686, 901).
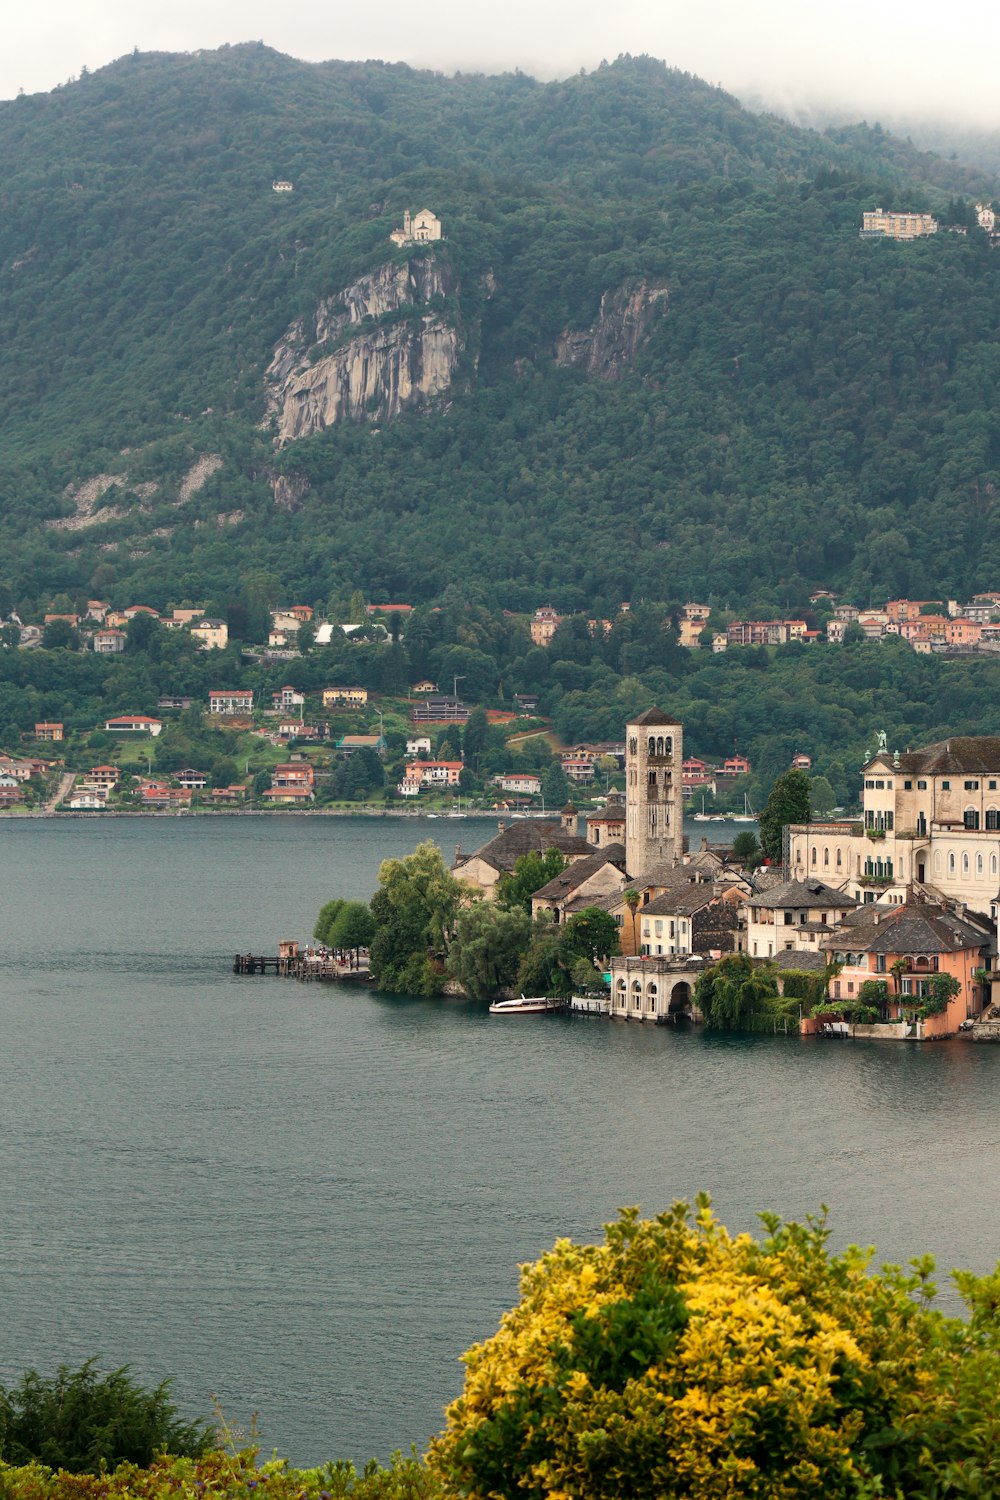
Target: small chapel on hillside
(420, 229)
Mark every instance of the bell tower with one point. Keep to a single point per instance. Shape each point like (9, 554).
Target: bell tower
(654, 796)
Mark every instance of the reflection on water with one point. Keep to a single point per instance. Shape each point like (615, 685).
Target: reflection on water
(311, 1200)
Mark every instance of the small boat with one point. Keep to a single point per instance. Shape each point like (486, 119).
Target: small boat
(747, 815)
(525, 1005)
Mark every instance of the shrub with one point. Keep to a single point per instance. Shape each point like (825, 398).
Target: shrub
(225, 1476)
(675, 1360)
(82, 1421)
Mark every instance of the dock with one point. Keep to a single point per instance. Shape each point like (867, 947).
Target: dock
(291, 963)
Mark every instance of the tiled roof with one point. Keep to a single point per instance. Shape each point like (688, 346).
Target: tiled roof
(802, 962)
(968, 754)
(801, 893)
(654, 716)
(572, 877)
(917, 927)
(504, 850)
(683, 901)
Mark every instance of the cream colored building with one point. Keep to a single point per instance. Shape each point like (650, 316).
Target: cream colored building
(883, 224)
(420, 229)
(211, 635)
(794, 917)
(930, 817)
(354, 697)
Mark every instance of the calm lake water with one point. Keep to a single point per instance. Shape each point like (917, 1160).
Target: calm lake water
(309, 1201)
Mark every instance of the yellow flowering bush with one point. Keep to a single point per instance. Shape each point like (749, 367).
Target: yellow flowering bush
(676, 1360)
(221, 1475)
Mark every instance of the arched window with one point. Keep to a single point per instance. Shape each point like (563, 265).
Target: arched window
(668, 746)
(826, 855)
(993, 864)
(814, 854)
(951, 864)
(652, 746)
(937, 862)
(979, 864)
(965, 864)
(838, 859)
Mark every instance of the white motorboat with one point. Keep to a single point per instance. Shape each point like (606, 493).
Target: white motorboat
(525, 1005)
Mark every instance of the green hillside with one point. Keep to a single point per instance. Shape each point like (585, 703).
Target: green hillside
(809, 408)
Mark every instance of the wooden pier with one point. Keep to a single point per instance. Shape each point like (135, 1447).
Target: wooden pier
(291, 964)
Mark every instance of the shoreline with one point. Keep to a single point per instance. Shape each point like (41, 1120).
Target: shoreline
(362, 811)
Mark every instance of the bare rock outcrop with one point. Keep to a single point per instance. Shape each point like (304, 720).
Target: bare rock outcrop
(622, 324)
(368, 352)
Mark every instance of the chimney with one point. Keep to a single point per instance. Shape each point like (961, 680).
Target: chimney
(458, 854)
(501, 826)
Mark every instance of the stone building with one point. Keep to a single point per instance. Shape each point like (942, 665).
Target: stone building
(422, 228)
(654, 806)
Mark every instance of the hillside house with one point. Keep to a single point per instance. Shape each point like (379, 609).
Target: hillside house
(133, 724)
(350, 697)
(524, 784)
(211, 635)
(292, 782)
(157, 796)
(544, 625)
(432, 773)
(191, 780)
(288, 697)
(438, 708)
(108, 642)
(50, 732)
(230, 701)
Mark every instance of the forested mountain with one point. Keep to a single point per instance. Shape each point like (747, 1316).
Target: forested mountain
(796, 406)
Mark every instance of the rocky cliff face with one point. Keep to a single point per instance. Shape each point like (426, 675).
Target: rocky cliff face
(623, 323)
(374, 372)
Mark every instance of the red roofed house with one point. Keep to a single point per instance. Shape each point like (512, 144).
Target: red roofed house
(48, 731)
(157, 795)
(291, 782)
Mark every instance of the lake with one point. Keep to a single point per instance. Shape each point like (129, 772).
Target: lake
(310, 1200)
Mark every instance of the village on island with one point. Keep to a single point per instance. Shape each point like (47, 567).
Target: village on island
(883, 926)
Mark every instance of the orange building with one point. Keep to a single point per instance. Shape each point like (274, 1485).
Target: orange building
(906, 947)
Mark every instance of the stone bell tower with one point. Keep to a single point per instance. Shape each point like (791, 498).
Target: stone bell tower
(654, 796)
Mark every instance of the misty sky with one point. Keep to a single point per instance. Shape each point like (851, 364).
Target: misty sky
(868, 59)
